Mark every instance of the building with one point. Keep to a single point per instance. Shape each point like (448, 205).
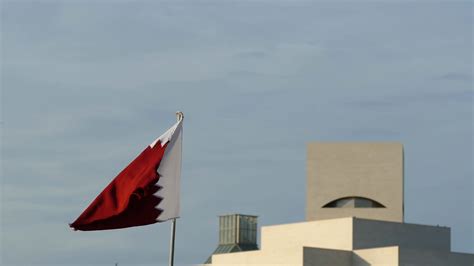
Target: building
(354, 216)
(237, 233)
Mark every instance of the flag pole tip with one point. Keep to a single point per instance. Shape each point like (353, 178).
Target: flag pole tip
(179, 115)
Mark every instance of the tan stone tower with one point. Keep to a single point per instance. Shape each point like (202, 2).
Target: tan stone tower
(363, 180)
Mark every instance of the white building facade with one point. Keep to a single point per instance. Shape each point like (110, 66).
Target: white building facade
(354, 217)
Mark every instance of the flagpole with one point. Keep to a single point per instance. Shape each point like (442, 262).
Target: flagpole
(179, 116)
(173, 234)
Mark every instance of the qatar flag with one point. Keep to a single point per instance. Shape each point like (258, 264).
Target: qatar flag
(145, 192)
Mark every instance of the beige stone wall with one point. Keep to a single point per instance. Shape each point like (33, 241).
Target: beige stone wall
(418, 257)
(319, 257)
(369, 170)
(330, 234)
(387, 256)
(371, 242)
(283, 244)
(287, 257)
(461, 259)
(372, 233)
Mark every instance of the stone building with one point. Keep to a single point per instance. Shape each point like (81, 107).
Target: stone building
(354, 217)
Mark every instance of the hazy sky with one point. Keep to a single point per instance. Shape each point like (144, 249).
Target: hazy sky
(87, 85)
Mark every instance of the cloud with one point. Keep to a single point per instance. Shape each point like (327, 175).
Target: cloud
(455, 76)
(415, 98)
(252, 54)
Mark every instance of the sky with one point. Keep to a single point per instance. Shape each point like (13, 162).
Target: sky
(86, 85)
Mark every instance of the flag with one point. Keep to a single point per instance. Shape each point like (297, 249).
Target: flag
(145, 192)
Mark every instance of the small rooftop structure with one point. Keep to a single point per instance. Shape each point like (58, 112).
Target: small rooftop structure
(237, 232)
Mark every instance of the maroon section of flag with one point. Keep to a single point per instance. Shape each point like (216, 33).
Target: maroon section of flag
(129, 200)
(145, 192)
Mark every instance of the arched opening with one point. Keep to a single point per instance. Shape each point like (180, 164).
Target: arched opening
(354, 202)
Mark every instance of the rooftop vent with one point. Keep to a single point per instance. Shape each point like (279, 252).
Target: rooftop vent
(237, 233)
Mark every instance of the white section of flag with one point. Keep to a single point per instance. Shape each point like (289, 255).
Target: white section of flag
(170, 172)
